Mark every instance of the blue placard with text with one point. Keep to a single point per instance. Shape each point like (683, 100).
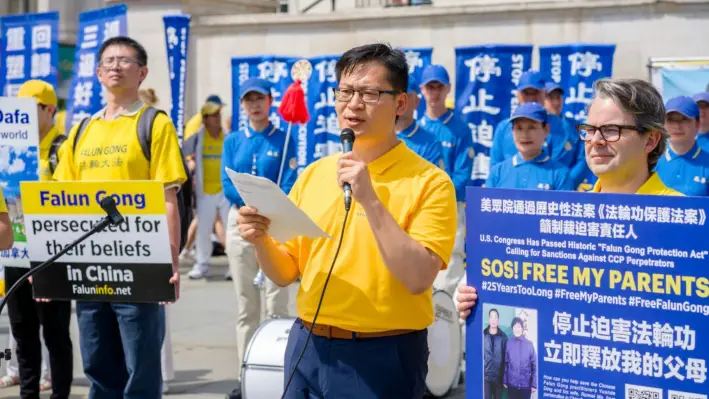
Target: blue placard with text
(587, 295)
(29, 45)
(86, 94)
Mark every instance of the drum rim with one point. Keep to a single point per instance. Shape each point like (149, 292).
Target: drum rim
(460, 343)
(251, 343)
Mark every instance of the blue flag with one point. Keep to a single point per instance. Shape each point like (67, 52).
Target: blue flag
(418, 59)
(486, 81)
(86, 95)
(575, 67)
(275, 69)
(323, 130)
(177, 30)
(30, 50)
(594, 295)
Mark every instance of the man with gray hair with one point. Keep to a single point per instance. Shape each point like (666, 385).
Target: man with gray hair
(623, 139)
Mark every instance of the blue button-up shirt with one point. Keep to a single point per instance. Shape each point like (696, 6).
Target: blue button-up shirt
(422, 142)
(258, 153)
(540, 173)
(687, 173)
(457, 148)
(563, 143)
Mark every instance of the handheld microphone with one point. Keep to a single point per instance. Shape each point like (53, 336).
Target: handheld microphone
(347, 138)
(108, 204)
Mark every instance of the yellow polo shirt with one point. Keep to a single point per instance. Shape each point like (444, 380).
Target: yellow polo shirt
(653, 186)
(110, 150)
(362, 294)
(44, 147)
(212, 163)
(3, 205)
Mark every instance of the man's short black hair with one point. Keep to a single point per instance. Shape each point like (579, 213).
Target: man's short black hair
(493, 310)
(393, 60)
(140, 54)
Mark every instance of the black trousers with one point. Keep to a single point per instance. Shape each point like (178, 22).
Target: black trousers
(492, 390)
(26, 316)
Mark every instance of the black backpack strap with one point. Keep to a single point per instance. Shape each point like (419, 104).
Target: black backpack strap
(82, 128)
(54, 151)
(145, 129)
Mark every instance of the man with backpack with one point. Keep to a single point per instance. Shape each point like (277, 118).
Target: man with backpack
(120, 342)
(26, 314)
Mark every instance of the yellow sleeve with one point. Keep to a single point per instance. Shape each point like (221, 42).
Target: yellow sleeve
(3, 205)
(66, 168)
(165, 157)
(192, 126)
(435, 221)
(60, 120)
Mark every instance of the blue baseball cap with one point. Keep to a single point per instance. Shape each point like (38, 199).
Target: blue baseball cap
(413, 84)
(531, 80)
(435, 73)
(214, 99)
(255, 84)
(533, 111)
(685, 105)
(703, 96)
(551, 86)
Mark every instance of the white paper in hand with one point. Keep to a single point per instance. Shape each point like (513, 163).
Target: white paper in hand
(287, 220)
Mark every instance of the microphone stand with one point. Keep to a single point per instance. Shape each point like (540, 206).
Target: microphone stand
(105, 222)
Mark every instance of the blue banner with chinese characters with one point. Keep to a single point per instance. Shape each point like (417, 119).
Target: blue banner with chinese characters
(486, 94)
(177, 30)
(587, 295)
(30, 50)
(322, 133)
(86, 95)
(418, 59)
(575, 67)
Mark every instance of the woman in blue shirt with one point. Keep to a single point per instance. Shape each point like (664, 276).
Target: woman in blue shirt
(532, 166)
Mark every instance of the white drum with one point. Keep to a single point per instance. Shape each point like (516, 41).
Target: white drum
(262, 371)
(445, 343)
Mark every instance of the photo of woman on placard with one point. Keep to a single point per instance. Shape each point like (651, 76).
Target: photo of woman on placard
(520, 364)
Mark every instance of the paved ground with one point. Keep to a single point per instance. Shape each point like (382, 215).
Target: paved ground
(202, 326)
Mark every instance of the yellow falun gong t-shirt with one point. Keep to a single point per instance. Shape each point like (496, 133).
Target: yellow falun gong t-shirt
(3, 205)
(212, 163)
(110, 150)
(652, 186)
(362, 294)
(44, 148)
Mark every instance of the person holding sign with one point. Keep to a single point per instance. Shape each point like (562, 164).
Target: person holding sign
(257, 150)
(27, 316)
(458, 153)
(562, 144)
(398, 236)
(532, 167)
(684, 166)
(120, 342)
(624, 138)
(415, 137)
(702, 100)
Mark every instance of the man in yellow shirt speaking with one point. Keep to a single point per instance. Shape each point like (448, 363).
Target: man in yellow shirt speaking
(120, 342)
(370, 337)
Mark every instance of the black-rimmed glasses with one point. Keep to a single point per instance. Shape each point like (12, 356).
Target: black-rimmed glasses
(368, 96)
(609, 133)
